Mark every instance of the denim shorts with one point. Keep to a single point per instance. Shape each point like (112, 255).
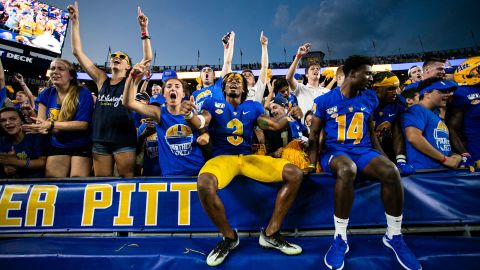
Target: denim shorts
(104, 148)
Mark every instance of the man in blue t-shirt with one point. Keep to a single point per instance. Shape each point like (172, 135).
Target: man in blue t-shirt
(463, 114)
(345, 116)
(427, 136)
(231, 122)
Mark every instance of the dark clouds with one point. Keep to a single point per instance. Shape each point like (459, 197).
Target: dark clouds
(349, 26)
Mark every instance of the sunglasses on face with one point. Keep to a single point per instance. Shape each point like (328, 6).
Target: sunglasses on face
(121, 56)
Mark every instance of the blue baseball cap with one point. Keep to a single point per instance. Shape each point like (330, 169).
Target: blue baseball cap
(280, 100)
(169, 74)
(158, 100)
(443, 86)
(142, 96)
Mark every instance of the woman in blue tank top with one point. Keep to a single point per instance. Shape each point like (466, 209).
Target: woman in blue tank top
(114, 135)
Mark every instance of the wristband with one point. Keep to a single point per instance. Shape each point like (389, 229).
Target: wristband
(189, 116)
(445, 158)
(401, 158)
(27, 163)
(144, 33)
(52, 125)
(202, 121)
(145, 37)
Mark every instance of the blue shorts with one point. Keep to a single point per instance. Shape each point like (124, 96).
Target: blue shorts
(361, 156)
(104, 148)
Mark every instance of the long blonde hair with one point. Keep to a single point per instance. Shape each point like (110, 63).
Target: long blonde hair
(70, 102)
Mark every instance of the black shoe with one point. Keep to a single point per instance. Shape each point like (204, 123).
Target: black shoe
(220, 252)
(276, 241)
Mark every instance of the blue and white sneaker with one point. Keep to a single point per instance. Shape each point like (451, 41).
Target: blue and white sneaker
(336, 253)
(404, 255)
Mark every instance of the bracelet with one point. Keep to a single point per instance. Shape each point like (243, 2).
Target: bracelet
(189, 116)
(52, 125)
(401, 158)
(27, 163)
(445, 158)
(145, 37)
(144, 33)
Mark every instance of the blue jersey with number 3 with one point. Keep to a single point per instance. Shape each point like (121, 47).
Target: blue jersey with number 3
(231, 129)
(346, 119)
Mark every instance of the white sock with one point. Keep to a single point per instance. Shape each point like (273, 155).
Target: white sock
(394, 225)
(340, 227)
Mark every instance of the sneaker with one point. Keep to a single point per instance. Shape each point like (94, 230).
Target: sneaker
(276, 241)
(336, 253)
(404, 255)
(220, 252)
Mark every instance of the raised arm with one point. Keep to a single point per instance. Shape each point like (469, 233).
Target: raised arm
(94, 72)
(131, 86)
(263, 70)
(302, 50)
(19, 78)
(2, 76)
(146, 45)
(228, 54)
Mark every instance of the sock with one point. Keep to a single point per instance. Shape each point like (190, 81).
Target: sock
(340, 227)
(394, 225)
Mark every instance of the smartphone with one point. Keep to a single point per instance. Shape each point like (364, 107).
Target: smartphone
(226, 38)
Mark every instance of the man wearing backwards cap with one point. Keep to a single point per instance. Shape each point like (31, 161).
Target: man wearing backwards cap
(387, 119)
(463, 113)
(231, 120)
(427, 136)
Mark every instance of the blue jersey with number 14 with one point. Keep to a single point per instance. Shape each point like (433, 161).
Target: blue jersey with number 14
(346, 119)
(231, 129)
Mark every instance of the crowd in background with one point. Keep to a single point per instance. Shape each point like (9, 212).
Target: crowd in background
(65, 131)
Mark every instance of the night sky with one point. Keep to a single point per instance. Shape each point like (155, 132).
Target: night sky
(179, 29)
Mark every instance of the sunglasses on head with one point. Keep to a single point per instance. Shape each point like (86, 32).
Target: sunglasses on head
(121, 56)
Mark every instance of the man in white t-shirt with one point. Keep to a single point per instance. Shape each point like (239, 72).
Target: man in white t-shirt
(305, 93)
(257, 90)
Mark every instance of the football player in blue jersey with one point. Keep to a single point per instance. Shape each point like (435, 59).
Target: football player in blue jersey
(178, 151)
(386, 119)
(3, 89)
(345, 115)
(231, 121)
(463, 113)
(427, 136)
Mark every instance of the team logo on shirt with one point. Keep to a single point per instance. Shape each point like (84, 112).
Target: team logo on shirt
(441, 137)
(351, 109)
(475, 102)
(332, 110)
(204, 94)
(218, 111)
(53, 114)
(219, 105)
(473, 96)
(179, 138)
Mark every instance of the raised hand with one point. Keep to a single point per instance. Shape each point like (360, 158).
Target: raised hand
(73, 12)
(187, 107)
(18, 77)
(228, 39)
(142, 20)
(141, 68)
(263, 39)
(304, 49)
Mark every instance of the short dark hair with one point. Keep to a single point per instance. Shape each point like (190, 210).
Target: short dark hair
(410, 92)
(354, 62)
(244, 84)
(279, 84)
(432, 60)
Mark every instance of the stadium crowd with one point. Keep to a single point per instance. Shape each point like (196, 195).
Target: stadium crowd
(272, 129)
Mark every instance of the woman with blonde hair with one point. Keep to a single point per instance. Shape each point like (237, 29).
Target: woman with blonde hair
(65, 110)
(114, 135)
